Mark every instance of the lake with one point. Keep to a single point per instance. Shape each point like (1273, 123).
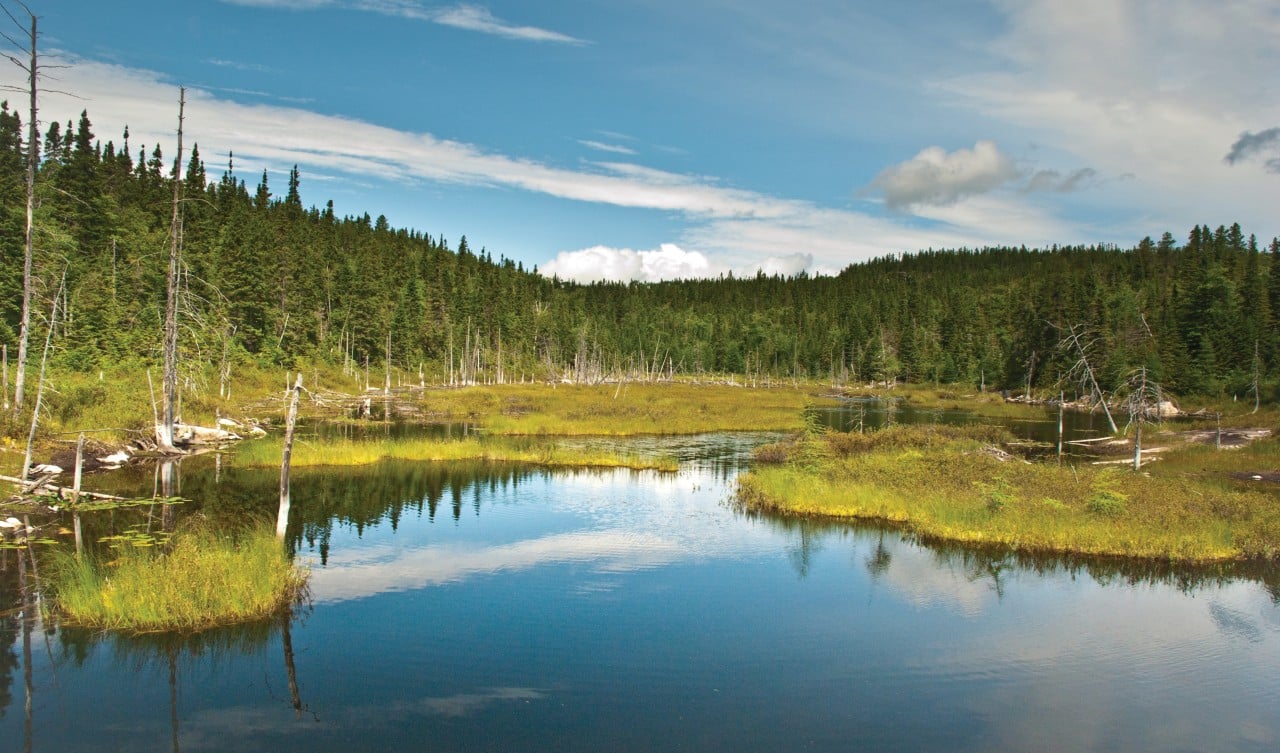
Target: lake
(468, 607)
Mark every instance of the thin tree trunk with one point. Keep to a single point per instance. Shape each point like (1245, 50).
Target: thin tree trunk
(44, 360)
(164, 435)
(28, 283)
(282, 516)
(75, 495)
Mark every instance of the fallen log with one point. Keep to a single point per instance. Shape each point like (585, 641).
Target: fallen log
(58, 490)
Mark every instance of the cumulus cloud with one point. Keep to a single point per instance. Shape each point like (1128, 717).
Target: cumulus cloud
(601, 263)
(1056, 182)
(1261, 144)
(935, 177)
(668, 262)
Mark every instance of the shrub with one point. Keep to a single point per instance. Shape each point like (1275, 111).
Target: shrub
(1106, 502)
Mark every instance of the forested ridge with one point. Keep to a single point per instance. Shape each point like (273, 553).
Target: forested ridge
(266, 279)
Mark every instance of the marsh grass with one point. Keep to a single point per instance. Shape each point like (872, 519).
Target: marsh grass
(620, 410)
(348, 452)
(941, 483)
(200, 579)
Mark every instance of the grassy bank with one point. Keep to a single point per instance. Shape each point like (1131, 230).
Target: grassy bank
(345, 452)
(944, 482)
(201, 579)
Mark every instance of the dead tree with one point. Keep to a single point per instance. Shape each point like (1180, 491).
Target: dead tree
(286, 455)
(164, 432)
(32, 68)
(1083, 372)
(1142, 401)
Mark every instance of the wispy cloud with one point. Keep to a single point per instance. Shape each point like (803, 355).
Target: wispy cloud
(600, 146)
(1057, 182)
(287, 4)
(478, 18)
(466, 16)
(239, 66)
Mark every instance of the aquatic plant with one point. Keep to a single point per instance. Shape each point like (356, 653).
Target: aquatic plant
(199, 579)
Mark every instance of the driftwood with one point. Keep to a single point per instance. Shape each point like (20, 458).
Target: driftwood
(43, 483)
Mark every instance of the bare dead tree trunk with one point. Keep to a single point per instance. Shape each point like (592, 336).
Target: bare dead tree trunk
(164, 432)
(44, 360)
(1090, 379)
(33, 155)
(282, 516)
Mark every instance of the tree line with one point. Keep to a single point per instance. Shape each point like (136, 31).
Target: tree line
(267, 280)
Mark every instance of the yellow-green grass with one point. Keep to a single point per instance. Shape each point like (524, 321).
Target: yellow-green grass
(346, 452)
(940, 483)
(201, 579)
(613, 410)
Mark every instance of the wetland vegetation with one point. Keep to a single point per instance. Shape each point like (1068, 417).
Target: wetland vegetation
(958, 484)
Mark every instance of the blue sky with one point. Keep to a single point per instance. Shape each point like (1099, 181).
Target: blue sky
(641, 139)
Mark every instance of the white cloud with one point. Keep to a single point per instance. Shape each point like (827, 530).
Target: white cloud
(936, 177)
(1154, 89)
(477, 18)
(668, 262)
(600, 146)
(460, 16)
(464, 16)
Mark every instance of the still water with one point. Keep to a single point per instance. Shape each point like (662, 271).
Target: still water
(461, 607)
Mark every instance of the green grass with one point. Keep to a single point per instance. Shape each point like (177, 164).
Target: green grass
(938, 482)
(346, 452)
(201, 579)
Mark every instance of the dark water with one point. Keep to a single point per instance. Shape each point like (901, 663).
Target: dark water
(876, 414)
(463, 607)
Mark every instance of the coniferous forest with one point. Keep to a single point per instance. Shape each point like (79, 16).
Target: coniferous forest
(267, 280)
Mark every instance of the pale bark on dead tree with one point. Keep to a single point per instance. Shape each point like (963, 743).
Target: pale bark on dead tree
(32, 68)
(164, 432)
(1084, 371)
(282, 515)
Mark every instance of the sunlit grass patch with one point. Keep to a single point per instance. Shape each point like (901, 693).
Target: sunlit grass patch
(200, 579)
(943, 483)
(347, 452)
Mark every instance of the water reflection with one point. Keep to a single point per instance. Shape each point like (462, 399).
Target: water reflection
(490, 607)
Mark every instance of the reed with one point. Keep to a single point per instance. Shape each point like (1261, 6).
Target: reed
(202, 579)
(946, 485)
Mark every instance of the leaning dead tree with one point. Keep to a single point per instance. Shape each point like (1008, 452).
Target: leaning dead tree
(1082, 370)
(164, 432)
